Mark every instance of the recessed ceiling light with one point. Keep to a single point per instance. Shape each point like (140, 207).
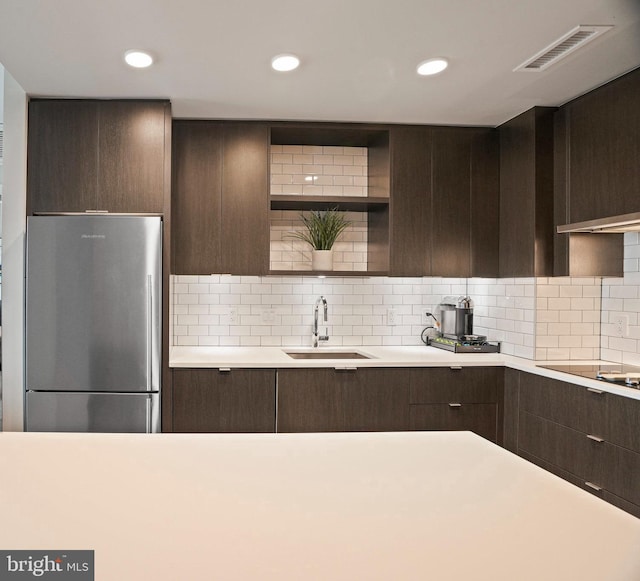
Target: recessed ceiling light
(285, 62)
(432, 66)
(138, 59)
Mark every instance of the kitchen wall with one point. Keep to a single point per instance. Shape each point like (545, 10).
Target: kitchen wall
(505, 311)
(535, 318)
(241, 310)
(621, 297)
(225, 310)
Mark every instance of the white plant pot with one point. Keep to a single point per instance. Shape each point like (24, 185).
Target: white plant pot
(322, 259)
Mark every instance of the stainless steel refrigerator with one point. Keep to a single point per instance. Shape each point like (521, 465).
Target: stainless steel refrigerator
(93, 323)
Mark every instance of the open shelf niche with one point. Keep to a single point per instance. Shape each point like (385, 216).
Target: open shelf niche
(319, 166)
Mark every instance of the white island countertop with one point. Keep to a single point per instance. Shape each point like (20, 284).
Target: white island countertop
(400, 356)
(446, 506)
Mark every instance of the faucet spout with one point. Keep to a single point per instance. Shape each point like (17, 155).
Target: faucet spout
(316, 337)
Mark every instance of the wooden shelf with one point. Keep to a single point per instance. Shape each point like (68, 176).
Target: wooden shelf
(336, 273)
(348, 204)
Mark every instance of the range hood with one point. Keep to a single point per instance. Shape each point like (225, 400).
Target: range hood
(610, 225)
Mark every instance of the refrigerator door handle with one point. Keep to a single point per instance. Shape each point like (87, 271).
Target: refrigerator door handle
(149, 424)
(149, 333)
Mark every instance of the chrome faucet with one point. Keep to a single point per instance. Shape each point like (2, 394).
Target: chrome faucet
(316, 337)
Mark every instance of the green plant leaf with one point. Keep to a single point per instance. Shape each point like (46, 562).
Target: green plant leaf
(322, 228)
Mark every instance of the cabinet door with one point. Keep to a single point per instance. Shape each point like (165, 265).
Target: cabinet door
(450, 223)
(375, 399)
(197, 197)
(209, 400)
(62, 165)
(563, 447)
(571, 405)
(604, 138)
(98, 155)
(131, 176)
(329, 400)
(623, 422)
(309, 400)
(526, 194)
(622, 475)
(410, 234)
(511, 409)
(245, 199)
(485, 203)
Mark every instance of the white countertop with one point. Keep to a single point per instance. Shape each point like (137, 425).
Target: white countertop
(411, 356)
(447, 506)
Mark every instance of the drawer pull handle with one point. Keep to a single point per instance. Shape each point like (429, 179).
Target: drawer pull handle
(224, 369)
(455, 405)
(346, 368)
(595, 438)
(593, 486)
(594, 390)
(455, 367)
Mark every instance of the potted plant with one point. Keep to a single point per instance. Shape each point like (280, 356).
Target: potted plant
(321, 229)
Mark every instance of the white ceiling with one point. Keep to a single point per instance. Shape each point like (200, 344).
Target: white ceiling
(358, 56)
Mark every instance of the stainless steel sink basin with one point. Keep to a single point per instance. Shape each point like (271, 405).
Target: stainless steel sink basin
(326, 354)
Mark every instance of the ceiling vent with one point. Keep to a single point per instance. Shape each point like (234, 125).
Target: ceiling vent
(557, 50)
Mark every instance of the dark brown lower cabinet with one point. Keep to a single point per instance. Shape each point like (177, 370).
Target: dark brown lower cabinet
(591, 487)
(213, 400)
(456, 398)
(342, 400)
(622, 477)
(583, 435)
(511, 401)
(576, 452)
(389, 399)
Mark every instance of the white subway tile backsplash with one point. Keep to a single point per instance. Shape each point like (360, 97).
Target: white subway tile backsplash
(541, 318)
(621, 297)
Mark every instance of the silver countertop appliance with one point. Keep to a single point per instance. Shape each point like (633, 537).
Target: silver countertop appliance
(93, 332)
(455, 318)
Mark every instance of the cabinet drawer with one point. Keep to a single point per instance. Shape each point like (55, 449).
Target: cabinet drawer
(622, 476)
(459, 385)
(564, 403)
(623, 422)
(570, 450)
(479, 418)
(598, 490)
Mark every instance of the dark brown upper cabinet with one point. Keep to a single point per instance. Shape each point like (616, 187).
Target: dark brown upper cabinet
(220, 199)
(603, 132)
(597, 143)
(410, 248)
(196, 197)
(465, 202)
(444, 201)
(98, 155)
(526, 194)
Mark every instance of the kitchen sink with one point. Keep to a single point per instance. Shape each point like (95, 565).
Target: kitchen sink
(326, 354)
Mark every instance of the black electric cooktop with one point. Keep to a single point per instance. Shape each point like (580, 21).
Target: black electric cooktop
(618, 373)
